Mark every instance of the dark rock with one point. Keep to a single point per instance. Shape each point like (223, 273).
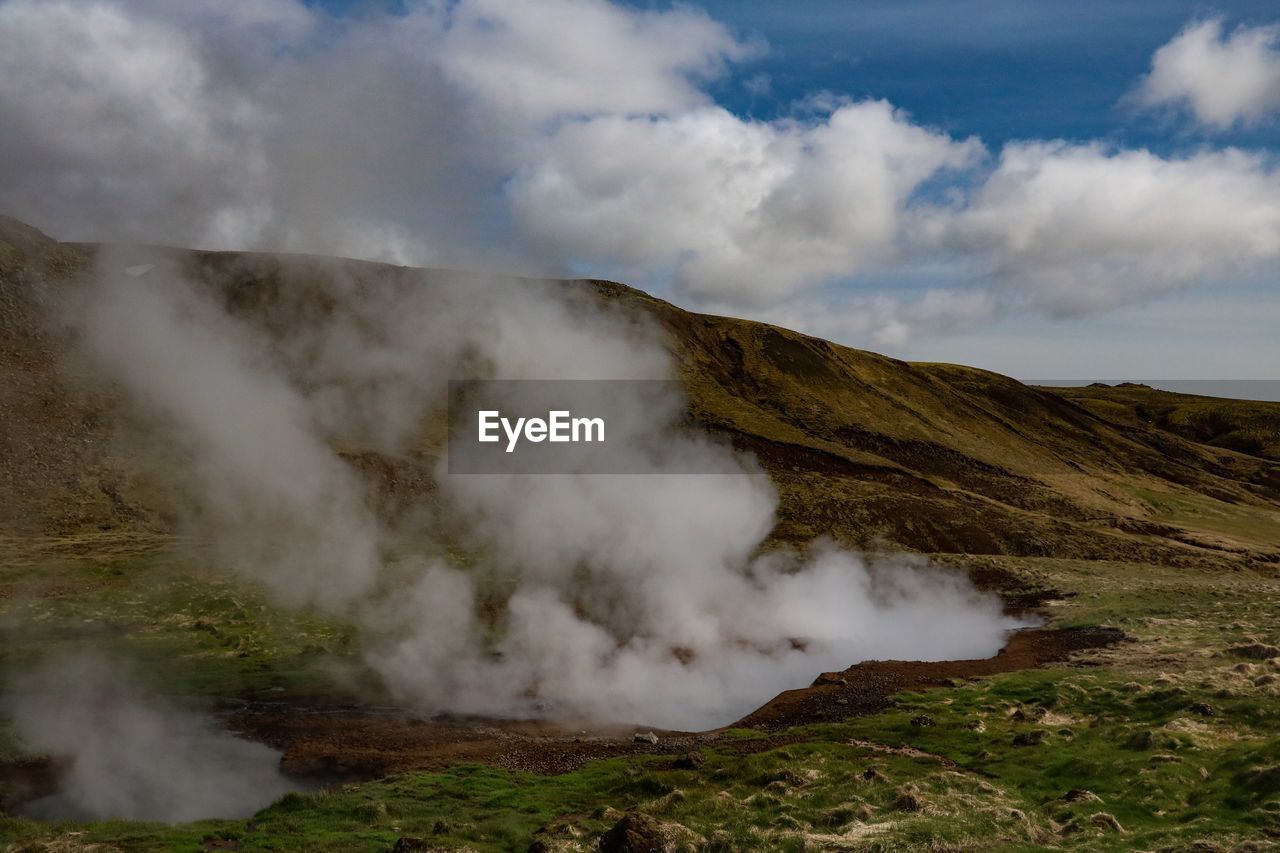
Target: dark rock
(635, 833)
(922, 720)
(1204, 709)
(408, 843)
(690, 761)
(1031, 738)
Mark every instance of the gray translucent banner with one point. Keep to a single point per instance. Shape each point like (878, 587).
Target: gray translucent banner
(629, 426)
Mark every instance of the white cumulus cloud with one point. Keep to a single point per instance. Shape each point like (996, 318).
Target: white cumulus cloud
(582, 136)
(1078, 229)
(743, 212)
(1223, 79)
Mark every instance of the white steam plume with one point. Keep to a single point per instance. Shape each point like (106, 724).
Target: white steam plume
(134, 756)
(621, 597)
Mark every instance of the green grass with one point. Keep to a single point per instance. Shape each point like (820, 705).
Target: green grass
(1251, 523)
(197, 633)
(1119, 723)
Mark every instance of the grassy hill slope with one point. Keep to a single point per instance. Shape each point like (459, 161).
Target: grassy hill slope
(1248, 426)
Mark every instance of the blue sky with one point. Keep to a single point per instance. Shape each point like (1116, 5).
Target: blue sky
(998, 69)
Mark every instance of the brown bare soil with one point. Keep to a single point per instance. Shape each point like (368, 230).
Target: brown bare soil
(868, 687)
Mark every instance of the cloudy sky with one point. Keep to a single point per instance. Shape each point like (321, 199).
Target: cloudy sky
(1044, 189)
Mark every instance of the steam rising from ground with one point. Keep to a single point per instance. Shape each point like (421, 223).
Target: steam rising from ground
(134, 756)
(639, 598)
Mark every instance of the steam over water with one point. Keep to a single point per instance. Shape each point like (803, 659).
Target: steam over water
(132, 755)
(633, 598)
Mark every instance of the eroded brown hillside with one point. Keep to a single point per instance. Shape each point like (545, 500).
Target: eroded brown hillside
(930, 457)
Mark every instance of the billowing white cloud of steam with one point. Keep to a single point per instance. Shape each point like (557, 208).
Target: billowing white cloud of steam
(558, 134)
(1223, 79)
(132, 755)
(634, 597)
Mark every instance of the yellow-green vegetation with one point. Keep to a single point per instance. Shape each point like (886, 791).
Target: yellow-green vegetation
(1245, 425)
(198, 633)
(1163, 740)
(1253, 524)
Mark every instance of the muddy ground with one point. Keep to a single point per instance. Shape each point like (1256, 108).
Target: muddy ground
(329, 739)
(348, 742)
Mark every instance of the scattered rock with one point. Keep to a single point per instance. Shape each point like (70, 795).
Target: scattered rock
(1102, 820)
(842, 701)
(690, 761)
(922, 720)
(408, 844)
(1031, 738)
(645, 737)
(1255, 651)
(635, 833)
(1141, 739)
(1204, 709)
